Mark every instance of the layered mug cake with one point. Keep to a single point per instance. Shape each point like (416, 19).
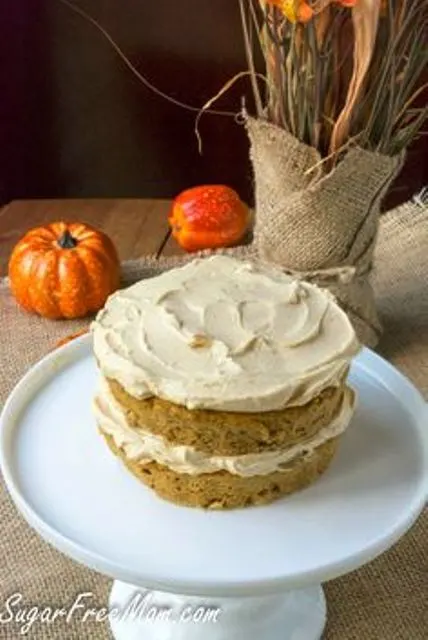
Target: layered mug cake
(224, 383)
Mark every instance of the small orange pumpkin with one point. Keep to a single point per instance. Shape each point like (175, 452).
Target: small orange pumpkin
(64, 270)
(208, 217)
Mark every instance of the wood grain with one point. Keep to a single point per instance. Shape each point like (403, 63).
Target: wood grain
(172, 248)
(137, 227)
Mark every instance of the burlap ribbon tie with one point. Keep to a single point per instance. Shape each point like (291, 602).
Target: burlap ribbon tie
(334, 275)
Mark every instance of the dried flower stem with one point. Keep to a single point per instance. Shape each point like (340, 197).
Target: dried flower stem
(345, 75)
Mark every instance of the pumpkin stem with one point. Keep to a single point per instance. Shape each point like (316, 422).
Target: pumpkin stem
(66, 240)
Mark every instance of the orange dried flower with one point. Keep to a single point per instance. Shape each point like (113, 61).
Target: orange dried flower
(293, 10)
(302, 11)
(347, 3)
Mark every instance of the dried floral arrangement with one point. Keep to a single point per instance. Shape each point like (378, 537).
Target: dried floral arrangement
(340, 71)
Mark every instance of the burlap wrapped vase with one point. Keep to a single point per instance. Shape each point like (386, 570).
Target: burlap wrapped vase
(322, 225)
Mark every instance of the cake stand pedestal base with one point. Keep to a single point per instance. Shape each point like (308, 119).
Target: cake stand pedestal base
(153, 615)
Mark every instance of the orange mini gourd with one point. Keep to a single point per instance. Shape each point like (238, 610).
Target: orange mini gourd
(64, 270)
(208, 217)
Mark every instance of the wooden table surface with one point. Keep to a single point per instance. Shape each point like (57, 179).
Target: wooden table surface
(137, 227)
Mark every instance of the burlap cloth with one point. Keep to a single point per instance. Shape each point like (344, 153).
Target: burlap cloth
(386, 600)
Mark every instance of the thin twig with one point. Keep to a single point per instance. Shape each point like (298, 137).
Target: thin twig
(225, 88)
(183, 105)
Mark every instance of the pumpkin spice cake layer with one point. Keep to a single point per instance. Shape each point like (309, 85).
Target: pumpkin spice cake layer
(222, 490)
(228, 433)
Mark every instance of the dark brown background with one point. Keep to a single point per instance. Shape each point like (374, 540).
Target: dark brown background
(74, 122)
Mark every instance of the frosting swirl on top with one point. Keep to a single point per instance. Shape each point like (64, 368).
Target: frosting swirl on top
(225, 335)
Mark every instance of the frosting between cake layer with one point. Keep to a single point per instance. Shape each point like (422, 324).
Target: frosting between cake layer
(225, 335)
(146, 447)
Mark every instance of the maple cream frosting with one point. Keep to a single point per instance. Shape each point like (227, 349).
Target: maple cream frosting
(145, 447)
(225, 335)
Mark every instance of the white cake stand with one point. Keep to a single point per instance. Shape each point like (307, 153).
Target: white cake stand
(248, 574)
